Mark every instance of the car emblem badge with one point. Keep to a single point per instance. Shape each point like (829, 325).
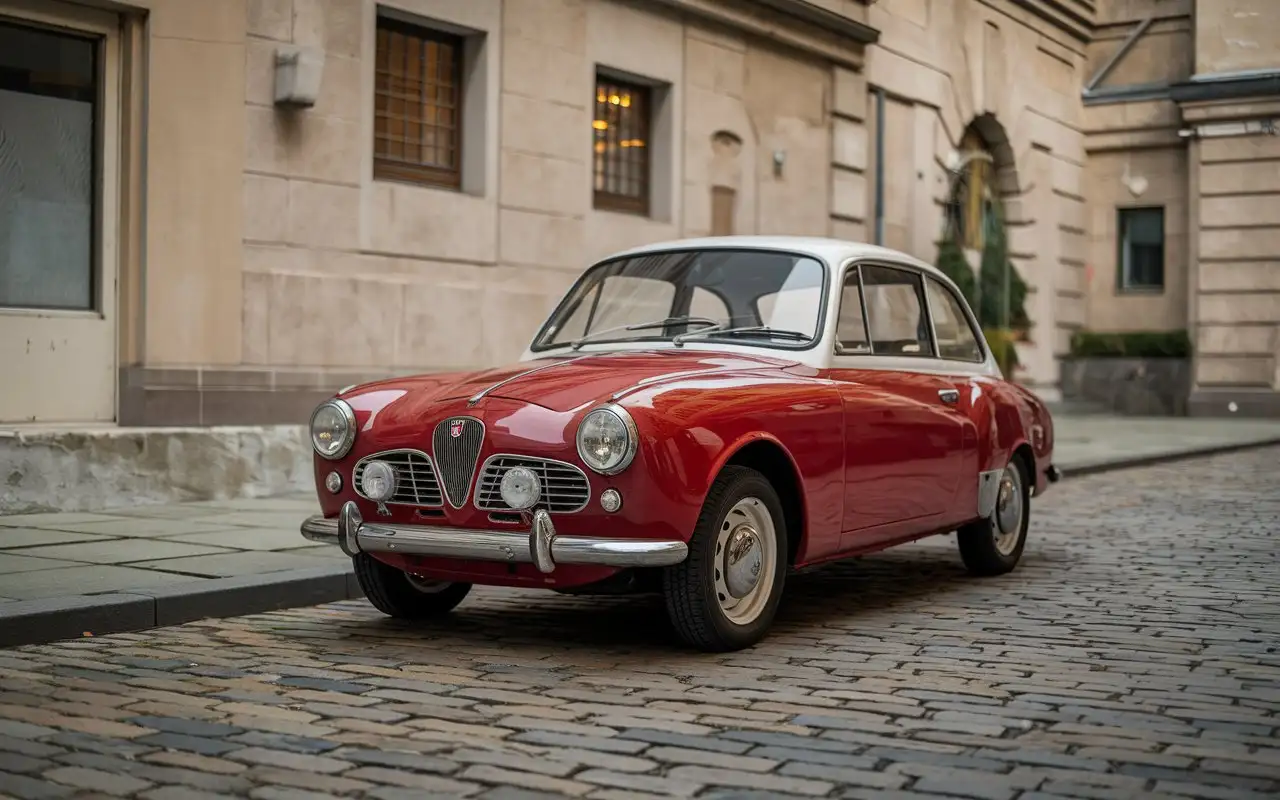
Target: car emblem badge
(455, 428)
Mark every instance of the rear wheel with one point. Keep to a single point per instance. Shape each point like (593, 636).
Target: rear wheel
(398, 594)
(993, 546)
(725, 595)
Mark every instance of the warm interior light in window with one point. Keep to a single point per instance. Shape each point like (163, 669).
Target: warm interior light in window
(600, 125)
(614, 99)
(626, 101)
(601, 97)
(599, 147)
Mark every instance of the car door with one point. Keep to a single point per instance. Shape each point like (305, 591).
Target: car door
(905, 434)
(961, 356)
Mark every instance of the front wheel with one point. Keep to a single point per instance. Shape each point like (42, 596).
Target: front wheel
(993, 546)
(725, 594)
(398, 594)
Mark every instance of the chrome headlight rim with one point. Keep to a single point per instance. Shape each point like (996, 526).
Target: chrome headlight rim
(348, 439)
(633, 438)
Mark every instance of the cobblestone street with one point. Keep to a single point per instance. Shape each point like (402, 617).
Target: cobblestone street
(1135, 653)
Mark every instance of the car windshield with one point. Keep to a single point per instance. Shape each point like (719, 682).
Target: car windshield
(752, 297)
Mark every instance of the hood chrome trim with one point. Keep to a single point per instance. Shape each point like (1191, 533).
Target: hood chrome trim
(656, 380)
(480, 395)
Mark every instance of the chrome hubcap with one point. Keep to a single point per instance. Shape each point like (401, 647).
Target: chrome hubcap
(742, 561)
(745, 560)
(1010, 506)
(425, 585)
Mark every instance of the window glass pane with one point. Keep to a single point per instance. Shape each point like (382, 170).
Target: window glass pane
(620, 130)
(740, 288)
(707, 304)
(851, 329)
(956, 337)
(1142, 248)
(417, 103)
(895, 312)
(625, 300)
(48, 93)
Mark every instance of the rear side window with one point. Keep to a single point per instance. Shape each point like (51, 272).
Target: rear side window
(957, 340)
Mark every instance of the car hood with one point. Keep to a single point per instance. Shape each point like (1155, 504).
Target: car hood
(560, 384)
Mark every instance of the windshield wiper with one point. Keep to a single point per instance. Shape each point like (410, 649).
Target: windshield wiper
(639, 326)
(716, 330)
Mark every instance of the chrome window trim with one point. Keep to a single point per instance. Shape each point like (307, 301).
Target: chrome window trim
(475, 500)
(355, 484)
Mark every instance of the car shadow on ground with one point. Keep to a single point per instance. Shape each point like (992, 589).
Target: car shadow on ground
(836, 594)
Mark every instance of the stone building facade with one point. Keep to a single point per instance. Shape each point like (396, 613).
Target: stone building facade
(229, 209)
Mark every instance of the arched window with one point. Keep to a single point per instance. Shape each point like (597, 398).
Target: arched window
(969, 211)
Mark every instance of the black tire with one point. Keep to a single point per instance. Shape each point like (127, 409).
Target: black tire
(978, 540)
(392, 591)
(690, 586)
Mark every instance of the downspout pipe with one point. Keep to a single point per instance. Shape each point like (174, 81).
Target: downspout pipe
(879, 176)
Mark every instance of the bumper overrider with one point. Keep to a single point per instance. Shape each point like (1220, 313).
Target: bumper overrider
(540, 546)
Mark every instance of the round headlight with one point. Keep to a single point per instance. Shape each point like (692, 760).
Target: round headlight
(607, 440)
(378, 481)
(520, 488)
(333, 429)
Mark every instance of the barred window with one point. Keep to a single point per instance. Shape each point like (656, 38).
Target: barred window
(622, 127)
(418, 105)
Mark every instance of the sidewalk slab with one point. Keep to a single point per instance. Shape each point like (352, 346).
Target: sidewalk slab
(153, 565)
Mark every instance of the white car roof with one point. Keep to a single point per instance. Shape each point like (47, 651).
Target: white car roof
(833, 251)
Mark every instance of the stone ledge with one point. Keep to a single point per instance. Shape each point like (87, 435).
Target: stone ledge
(1256, 404)
(52, 469)
(40, 621)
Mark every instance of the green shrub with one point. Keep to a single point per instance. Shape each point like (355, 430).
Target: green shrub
(1135, 344)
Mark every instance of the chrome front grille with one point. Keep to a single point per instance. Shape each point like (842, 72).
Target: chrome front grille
(565, 488)
(416, 482)
(456, 445)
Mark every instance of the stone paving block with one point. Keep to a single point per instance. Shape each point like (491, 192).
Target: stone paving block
(282, 538)
(114, 551)
(193, 744)
(235, 564)
(30, 560)
(83, 580)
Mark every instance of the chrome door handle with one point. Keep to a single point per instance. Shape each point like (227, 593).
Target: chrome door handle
(949, 396)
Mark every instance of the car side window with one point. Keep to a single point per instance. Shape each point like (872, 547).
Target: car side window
(895, 312)
(851, 325)
(951, 328)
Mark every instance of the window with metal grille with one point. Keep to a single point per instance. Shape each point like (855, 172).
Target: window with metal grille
(622, 126)
(1141, 249)
(417, 130)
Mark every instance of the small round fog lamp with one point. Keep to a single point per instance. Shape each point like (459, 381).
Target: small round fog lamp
(333, 482)
(378, 481)
(520, 488)
(611, 500)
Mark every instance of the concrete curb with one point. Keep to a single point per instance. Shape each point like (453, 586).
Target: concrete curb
(52, 619)
(1096, 467)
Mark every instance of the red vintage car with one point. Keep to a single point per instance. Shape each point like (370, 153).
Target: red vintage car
(698, 418)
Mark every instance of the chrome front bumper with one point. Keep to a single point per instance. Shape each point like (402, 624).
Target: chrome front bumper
(541, 546)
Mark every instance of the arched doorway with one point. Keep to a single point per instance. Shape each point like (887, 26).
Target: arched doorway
(975, 251)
